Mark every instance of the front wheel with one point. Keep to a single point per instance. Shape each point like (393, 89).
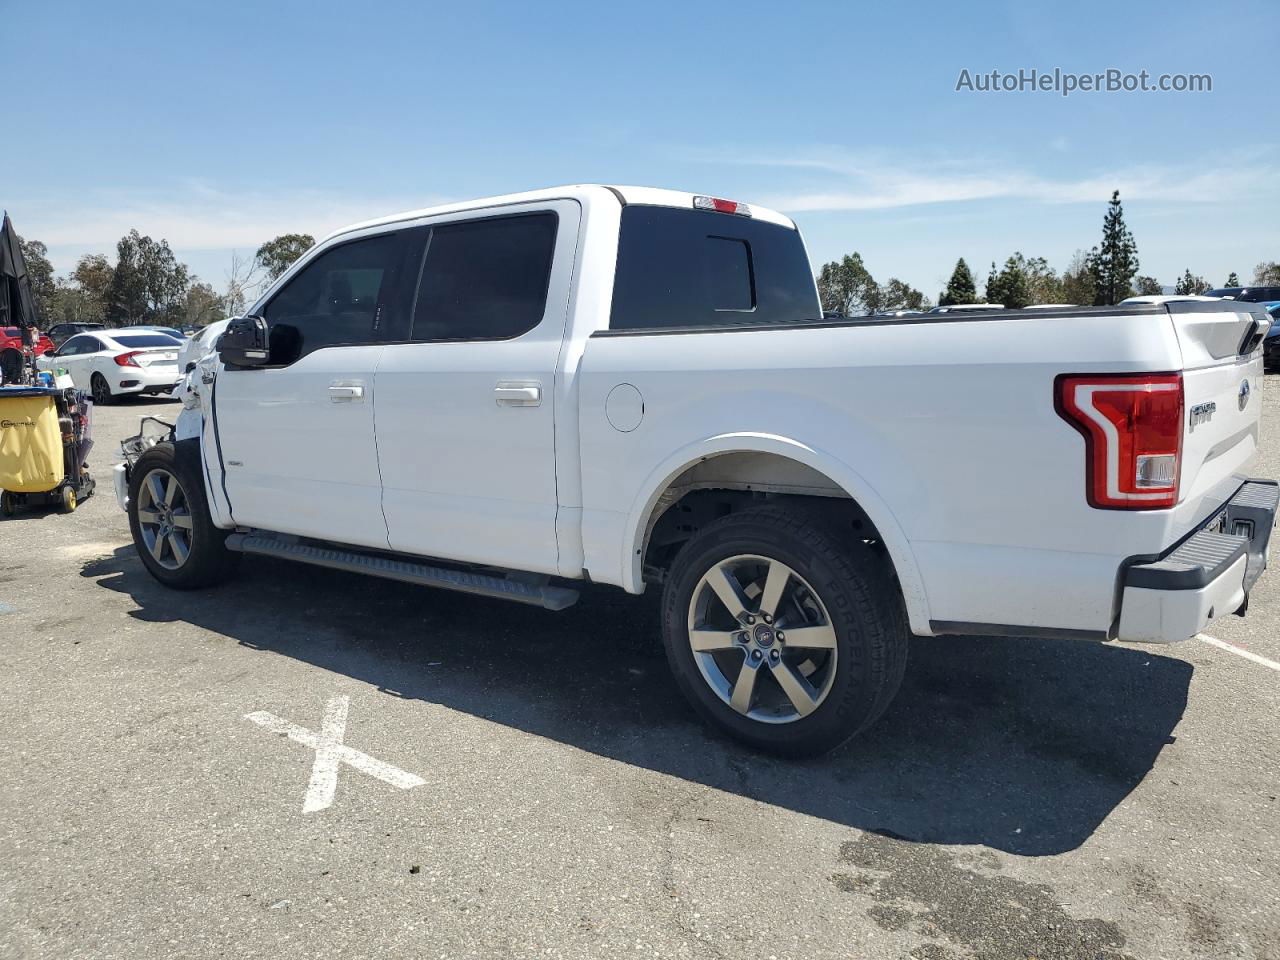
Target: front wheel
(781, 634)
(169, 517)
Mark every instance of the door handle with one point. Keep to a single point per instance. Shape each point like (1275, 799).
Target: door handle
(518, 393)
(344, 391)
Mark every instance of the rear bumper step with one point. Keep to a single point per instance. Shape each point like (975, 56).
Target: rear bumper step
(406, 571)
(1207, 575)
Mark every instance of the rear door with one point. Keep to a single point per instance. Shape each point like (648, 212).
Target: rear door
(296, 437)
(466, 409)
(1222, 390)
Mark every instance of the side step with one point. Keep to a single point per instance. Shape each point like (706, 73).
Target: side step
(549, 597)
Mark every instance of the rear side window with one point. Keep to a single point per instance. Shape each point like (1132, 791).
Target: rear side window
(691, 268)
(485, 279)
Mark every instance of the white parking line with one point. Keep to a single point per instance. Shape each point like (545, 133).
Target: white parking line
(330, 752)
(1239, 651)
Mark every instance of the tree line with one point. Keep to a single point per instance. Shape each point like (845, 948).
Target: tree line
(1103, 275)
(148, 285)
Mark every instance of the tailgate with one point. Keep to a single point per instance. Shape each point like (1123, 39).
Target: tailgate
(1222, 382)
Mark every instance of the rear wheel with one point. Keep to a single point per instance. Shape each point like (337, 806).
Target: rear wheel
(68, 499)
(100, 389)
(782, 635)
(8, 506)
(169, 517)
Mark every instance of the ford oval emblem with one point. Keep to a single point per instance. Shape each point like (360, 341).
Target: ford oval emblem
(1243, 399)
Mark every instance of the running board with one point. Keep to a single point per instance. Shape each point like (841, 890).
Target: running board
(551, 598)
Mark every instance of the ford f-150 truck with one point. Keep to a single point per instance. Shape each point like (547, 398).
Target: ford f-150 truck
(636, 387)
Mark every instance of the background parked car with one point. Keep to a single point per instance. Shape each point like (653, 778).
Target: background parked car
(1267, 295)
(968, 308)
(112, 363)
(11, 353)
(60, 333)
(200, 343)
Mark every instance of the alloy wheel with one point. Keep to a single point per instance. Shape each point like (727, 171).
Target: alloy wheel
(762, 639)
(164, 519)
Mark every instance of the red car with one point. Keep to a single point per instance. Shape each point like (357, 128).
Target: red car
(11, 351)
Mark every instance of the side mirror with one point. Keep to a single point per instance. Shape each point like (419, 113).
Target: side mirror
(244, 343)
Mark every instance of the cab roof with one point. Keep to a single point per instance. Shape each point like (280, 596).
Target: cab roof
(585, 193)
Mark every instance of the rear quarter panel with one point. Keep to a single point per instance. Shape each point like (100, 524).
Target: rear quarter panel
(945, 432)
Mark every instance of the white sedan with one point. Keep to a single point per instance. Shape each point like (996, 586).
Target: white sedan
(113, 363)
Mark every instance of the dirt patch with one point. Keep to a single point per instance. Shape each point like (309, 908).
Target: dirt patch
(985, 917)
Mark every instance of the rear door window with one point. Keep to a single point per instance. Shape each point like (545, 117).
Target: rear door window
(485, 279)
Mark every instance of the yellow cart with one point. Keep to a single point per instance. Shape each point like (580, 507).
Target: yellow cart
(44, 436)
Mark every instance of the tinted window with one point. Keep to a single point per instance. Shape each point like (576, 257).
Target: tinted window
(145, 340)
(77, 345)
(727, 269)
(1260, 294)
(12, 332)
(680, 268)
(485, 279)
(337, 299)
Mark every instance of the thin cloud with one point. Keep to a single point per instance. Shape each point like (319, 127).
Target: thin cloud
(881, 181)
(200, 216)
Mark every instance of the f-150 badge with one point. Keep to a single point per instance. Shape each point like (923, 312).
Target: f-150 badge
(1202, 413)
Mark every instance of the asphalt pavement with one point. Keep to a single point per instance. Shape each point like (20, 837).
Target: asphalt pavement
(304, 763)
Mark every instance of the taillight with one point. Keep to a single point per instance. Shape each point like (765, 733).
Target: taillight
(126, 359)
(1132, 429)
(722, 206)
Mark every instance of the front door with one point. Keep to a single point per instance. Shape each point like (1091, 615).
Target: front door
(297, 437)
(466, 410)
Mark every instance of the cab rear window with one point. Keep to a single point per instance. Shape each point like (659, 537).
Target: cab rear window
(693, 268)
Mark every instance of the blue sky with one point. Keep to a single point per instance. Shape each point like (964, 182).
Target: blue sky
(220, 125)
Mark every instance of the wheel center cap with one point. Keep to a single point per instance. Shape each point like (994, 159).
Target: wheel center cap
(764, 635)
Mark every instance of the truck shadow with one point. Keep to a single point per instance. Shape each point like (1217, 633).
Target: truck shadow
(1021, 745)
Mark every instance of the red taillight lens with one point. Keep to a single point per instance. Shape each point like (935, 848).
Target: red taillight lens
(1132, 429)
(126, 359)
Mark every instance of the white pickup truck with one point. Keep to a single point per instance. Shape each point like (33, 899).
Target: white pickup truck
(635, 386)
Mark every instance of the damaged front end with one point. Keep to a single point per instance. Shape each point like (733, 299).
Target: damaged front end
(152, 430)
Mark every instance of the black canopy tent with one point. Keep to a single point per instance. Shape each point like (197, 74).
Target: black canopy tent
(17, 305)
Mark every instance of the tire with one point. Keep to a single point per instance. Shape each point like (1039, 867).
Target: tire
(8, 507)
(67, 499)
(101, 390)
(807, 697)
(172, 529)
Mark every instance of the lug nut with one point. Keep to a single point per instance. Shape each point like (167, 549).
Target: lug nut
(768, 619)
(755, 654)
(741, 638)
(780, 635)
(773, 655)
(749, 619)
